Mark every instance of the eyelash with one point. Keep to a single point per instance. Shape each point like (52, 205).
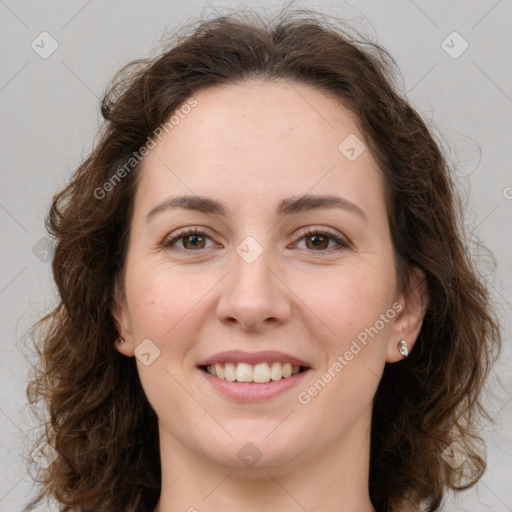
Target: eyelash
(343, 244)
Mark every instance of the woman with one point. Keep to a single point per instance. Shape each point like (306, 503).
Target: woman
(269, 233)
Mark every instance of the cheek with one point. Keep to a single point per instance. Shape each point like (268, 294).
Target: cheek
(356, 304)
(165, 306)
(347, 301)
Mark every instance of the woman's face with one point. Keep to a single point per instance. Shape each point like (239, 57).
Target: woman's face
(292, 263)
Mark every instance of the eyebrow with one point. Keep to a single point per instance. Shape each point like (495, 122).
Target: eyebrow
(288, 206)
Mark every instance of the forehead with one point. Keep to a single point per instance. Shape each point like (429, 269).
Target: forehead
(260, 138)
(250, 114)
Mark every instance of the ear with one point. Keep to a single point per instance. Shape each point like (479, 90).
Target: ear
(122, 320)
(407, 325)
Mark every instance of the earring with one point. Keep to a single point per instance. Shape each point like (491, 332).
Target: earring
(119, 340)
(402, 348)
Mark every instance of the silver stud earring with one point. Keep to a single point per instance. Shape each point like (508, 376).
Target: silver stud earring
(402, 348)
(119, 340)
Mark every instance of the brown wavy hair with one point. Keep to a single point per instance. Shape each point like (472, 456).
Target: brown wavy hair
(97, 417)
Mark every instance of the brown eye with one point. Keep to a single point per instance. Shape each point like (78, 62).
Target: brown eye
(317, 242)
(187, 240)
(194, 242)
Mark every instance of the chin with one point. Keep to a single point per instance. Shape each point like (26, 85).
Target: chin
(253, 450)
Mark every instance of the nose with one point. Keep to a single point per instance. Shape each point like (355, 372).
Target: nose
(253, 295)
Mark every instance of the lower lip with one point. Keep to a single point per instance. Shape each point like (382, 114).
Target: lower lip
(254, 392)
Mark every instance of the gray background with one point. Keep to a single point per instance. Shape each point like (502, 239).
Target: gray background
(49, 111)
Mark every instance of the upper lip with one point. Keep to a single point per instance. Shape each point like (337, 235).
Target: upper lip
(267, 356)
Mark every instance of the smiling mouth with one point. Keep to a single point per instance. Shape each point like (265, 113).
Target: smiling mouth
(260, 373)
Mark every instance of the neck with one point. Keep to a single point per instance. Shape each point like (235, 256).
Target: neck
(334, 480)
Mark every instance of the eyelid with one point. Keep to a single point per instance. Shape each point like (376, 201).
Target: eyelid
(183, 232)
(339, 238)
(342, 241)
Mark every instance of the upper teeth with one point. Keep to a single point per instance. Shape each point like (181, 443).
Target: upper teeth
(261, 372)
